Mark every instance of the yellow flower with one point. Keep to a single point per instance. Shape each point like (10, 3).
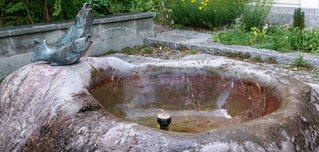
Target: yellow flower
(170, 10)
(206, 1)
(214, 11)
(182, 0)
(315, 33)
(200, 8)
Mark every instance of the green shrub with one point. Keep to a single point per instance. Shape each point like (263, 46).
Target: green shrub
(274, 38)
(299, 19)
(21, 12)
(254, 13)
(203, 13)
(18, 12)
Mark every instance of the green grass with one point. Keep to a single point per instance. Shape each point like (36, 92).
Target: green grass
(274, 37)
(301, 63)
(1, 79)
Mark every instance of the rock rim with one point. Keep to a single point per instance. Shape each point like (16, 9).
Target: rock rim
(49, 108)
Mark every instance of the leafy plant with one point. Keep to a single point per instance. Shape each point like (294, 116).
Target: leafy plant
(99, 7)
(10, 11)
(57, 7)
(257, 36)
(299, 19)
(147, 50)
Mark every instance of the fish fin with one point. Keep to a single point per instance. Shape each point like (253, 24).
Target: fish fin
(46, 47)
(38, 51)
(54, 64)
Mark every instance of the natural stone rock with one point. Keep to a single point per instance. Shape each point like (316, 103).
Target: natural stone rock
(49, 108)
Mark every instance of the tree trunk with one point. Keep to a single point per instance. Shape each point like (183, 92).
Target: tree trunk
(28, 12)
(45, 10)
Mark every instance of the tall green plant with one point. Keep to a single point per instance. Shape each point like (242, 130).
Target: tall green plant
(254, 13)
(299, 19)
(203, 13)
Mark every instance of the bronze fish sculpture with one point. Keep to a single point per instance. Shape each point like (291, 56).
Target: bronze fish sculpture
(72, 45)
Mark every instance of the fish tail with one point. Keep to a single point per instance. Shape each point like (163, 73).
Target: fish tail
(38, 53)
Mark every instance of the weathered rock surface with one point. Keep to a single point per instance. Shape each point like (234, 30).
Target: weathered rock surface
(49, 108)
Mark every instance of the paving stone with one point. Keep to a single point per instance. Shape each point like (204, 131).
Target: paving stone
(202, 42)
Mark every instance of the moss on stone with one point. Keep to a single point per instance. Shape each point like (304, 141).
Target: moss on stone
(256, 59)
(236, 55)
(1, 79)
(182, 48)
(107, 53)
(271, 60)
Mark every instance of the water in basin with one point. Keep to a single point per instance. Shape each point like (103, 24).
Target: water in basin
(197, 102)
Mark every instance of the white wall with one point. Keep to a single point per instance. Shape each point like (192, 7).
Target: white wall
(309, 3)
(296, 2)
(302, 3)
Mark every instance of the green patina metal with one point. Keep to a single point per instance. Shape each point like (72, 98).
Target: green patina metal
(72, 45)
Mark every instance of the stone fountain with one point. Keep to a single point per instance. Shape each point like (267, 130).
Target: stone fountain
(59, 108)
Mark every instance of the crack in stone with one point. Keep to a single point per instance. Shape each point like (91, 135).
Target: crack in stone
(55, 75)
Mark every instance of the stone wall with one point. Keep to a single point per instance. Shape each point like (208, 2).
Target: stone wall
(283, 14)
(109, 32)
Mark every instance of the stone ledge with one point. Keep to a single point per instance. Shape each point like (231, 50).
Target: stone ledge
(282, 58)
(201, 42)
(17, 42)
(44, 27)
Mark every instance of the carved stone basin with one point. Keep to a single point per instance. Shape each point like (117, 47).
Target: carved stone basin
(197, 99)
(107, 104)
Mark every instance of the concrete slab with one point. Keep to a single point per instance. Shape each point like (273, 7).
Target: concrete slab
(202, 42)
